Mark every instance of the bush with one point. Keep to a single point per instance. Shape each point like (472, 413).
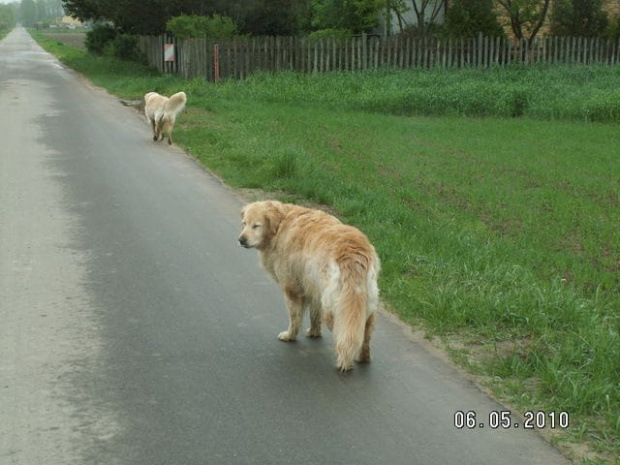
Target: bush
(329, 34)
(221, 27)
(98, 39)
(188, 26)
(125, 47)
(193, 26)
(580, 18)
(613, 29)
(467, 19)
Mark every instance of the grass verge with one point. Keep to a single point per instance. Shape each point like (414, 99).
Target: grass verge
(3, 33)
(498, 235)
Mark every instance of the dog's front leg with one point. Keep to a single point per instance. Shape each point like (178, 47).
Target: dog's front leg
(295, 303)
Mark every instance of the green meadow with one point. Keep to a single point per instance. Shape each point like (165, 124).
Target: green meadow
(491, 195)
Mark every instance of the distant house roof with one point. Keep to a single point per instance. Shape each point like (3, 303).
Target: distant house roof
(70, 21)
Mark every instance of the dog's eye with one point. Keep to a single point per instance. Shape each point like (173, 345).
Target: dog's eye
(255, 226)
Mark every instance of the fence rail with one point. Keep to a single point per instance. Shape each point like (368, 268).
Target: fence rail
(238, 58)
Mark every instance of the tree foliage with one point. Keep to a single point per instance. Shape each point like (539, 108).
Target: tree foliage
(354, 15)
(468, 18)
(276, 17)
(580, 18)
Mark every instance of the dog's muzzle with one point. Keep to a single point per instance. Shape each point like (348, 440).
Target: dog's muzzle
(243, 242)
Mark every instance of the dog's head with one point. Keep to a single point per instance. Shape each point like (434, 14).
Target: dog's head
(260, 222)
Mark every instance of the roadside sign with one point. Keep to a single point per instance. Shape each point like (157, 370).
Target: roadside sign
(169, 52)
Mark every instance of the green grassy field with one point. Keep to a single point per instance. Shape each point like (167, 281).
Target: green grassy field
(499, 235)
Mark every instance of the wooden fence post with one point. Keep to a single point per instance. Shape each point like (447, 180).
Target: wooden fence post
(216, 63)
(238, 58)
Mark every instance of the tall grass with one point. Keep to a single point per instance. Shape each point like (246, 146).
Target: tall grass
(586, 93)
(501, 231)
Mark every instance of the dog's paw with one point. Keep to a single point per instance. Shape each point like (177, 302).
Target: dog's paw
(344, 367)
(313, 333)
(286, 336)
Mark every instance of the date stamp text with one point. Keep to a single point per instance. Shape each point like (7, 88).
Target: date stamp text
(505, 419)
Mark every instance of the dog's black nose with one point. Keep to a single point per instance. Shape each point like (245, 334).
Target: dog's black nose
(243, 241)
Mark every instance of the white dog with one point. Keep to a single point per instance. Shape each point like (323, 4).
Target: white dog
(320, 264)
(161, 112)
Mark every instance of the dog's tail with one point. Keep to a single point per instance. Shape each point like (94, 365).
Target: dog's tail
(356, 308)
(175, 104)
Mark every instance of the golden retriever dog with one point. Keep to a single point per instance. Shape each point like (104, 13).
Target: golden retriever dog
(161, 113)
(321, 265)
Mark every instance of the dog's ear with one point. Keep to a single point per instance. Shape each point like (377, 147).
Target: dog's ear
(274, 214)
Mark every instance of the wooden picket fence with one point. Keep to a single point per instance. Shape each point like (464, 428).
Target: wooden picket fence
(238, 58)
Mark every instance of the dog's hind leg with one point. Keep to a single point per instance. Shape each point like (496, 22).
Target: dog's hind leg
(159, 126)
(295, 304)
(154, 128)
(168, 129)
(315, 320)
(364, 355)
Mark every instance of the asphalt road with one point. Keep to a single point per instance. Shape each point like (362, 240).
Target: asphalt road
(134, 329)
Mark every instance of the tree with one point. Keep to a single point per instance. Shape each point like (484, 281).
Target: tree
(397, 8)
(427, 13)
(28, 12)
(581, 18)
(613, 30)
(41, 9)
(89, 10)
(275, 17)
(137, 17)
(54, 8)
(526, 17)
(7, 17)
(468, 18)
